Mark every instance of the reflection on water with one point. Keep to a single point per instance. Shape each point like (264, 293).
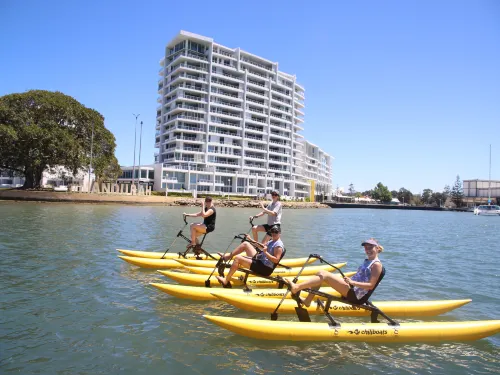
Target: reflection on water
(69, 305)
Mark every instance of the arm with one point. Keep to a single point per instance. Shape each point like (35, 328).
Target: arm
(258, 215)
(249, 239)
(276, 258)
(198, 213)
(206, 214)
(273, 212)
(376, 271)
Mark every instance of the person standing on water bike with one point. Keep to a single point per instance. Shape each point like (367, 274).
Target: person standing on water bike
(209, 215)
(362, 282)
(261, 263)
(273, 211)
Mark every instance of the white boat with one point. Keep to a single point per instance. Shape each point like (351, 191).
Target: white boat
(487, 210)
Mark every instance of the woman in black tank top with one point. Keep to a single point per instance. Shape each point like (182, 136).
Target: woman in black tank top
(209, 215)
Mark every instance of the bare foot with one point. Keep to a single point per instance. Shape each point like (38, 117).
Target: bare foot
(225, 256)
(293, 287)
(303, 301)
(221, 280)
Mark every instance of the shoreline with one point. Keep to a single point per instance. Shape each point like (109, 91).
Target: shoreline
(150, 200)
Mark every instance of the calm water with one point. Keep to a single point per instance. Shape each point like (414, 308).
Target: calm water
(70, 306)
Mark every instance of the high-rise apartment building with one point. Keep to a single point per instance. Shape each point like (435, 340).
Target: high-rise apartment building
(230, 121)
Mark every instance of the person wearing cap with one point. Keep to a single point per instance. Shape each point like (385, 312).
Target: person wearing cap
(273, 211)
(208, 214)
(362, 282)
(262, 263)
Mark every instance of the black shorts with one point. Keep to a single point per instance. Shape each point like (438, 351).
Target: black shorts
(268, 227)
(258, 267)
(210, 228)
(352, 297)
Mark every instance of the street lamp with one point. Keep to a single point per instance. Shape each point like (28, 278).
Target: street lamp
(403, 200)
(166, 185)
(140, 146)
(135, 139)
(228, 183)
(91, 151)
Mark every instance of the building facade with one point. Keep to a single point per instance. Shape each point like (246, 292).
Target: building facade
(478, 191)
(229, 121)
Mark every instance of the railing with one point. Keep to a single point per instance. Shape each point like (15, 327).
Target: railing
(249, 136)
(185, 127)
(256, 147)
(192, 97)
(219, 82)
(225, 133)
(255, 101)
(185, 106)
(212, 110)
(250, 127)
(280, 108)
(259, 110)
(216, 91)
(219, 121)
(225, 103)
(231, 76)
(249, 117)
(256, 83)
(256, 64)
(256, 92)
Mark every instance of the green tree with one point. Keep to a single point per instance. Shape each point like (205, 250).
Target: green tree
(382, 193)
(405, 195)
(394, 193)
(446, 191)
(42, 129)
(351, 190)
(427, 196)
(457, 192)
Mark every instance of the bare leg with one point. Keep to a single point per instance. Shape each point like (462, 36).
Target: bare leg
(243, 247)
(335, 281)
(255, 231)
(239, 261)
(196, 231)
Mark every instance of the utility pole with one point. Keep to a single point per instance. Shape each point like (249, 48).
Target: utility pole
(140, 146)
(135, 138)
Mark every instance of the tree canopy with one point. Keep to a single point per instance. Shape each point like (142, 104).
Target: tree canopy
(382, 193)
(41, 129)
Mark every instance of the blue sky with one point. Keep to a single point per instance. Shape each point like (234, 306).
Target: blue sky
(406, 93)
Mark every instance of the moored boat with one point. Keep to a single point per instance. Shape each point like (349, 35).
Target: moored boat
(365, 332)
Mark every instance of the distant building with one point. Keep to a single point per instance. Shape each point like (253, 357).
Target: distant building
(230, 121)
(477, 191)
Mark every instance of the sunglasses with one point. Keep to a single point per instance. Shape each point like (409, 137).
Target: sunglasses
(274, 195)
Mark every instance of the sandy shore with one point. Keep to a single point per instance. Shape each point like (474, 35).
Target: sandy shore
(50, 196)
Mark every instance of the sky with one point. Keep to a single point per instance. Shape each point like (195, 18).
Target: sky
(406, 93)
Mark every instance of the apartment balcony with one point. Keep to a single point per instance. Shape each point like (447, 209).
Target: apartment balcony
(254, 73)
(254, 156)
(254, 166)
(298, 119)
(181, 138)
(297, 135)
(223, 162)
(279, 161)
(231, 95)
(297, 127)
(225, 85)
(256, 93)
(299, 97)
(280, 126)
(283, 111)
(231, 65)
(257, 65)
(256, 147)
(280, 135)
(255, 129)
(223, 132)
(183, 107)
(161, 71)
(225, 153)
(226, 114)
(255, 138)
(190, 67)
(279, 151)
(231, 77)
(279, 143)
(257, 85)
(224, 123)
(190, 128)
(223, 53)
(225, 104)
(254, 118)
(261, 103)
